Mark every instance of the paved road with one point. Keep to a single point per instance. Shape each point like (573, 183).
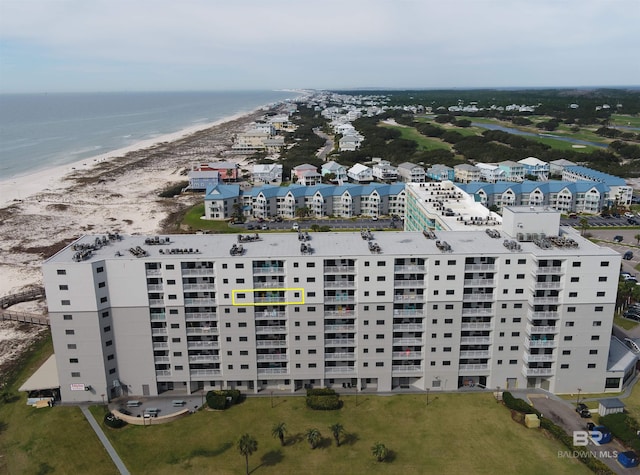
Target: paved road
(563, 413)
(328, 145)
(305, 224)
(105, 442)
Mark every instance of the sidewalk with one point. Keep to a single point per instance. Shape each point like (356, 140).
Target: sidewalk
(105, 442)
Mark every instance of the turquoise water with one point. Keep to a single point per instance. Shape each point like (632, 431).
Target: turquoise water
(39, 131)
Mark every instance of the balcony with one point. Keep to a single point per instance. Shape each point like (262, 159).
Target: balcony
(339, 369)
(408, 327)
(407, 312)
(546, 285)
(410, 268)
(201, 286)
(339, 313)
(474, 354)
(339, 356)
(479, 297)
(202, 271)
(205, 372)
(477, 311)
(268, 285)
(539, 343)
(199, 316)
(271, 343)
(544, 315)
(538, 330)
(271, 357)
(529, 358)
(158, 317)
(340, 299)
(339, 284)
(154, 272)
(479, 282)
(406, 368)
(479, 267)
(273, 300)
(340, 342)
(160, 345)
(161, 359)
(475, 340)
(546, 300)
(156, 302)
(475, 325)
(548, 270)
(409, 354)
(202, 331)
(408, 283)
(338, 269)
(339, 328)
(473, 368)
(408, 298)
(163, 372)
(154, 287)
(158, 331)
(204, 358)
(537, 371)
(270, 314)
(270, 329)
(407, 341)
(273, 370)
(208, 302)
(202, 345)
(268, 270)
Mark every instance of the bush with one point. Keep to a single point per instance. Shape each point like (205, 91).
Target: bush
(323, 399)
(518, 404)
(222, 399)
(624, 427)
(173, 190)
(112, 421)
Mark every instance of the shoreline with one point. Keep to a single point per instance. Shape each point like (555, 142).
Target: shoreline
(21, 187)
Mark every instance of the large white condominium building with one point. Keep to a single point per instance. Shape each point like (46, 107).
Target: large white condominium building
(135, 315)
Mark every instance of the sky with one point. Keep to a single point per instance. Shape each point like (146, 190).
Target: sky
(171, 45)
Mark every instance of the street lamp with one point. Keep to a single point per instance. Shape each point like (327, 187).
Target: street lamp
(578, 400)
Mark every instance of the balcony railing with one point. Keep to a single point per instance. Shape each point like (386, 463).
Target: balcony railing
(205, 372)
(339, 328)
(339, 369)
(200, 301)
(407, 341)
(270, 314)
(271, 343)
(268, 270)
(339, 284)
(158, 331)
(340, 299)
(154, 272)
(410, 268)
(156, 317)
(474, 354)
(340, 342)
(202, 331)
(537, 371)
(271, 357)
(160, 345)
(548, 270)
(537, 330)
(477, 297)
(529, 358)
(202, 345)
(161, 359)
(201, 286)
(407, 355)
(339, 356)
(338, 269)
(407, 312)
(544, 300)
(203, 358)
(338, 313)
(199, 316)
(475, 325)
(408, 298)
(475, 340)
(273, 370)
(154, 287)
(407, 368)
(163, 372)
(546, 285)
(268, 285)
(477, 311)
(270, 329)
(408, 327)
(156, 302)
(544, 315)
(479, 267)
(479, 282)
(539, 343)
(275, 300)
(201, 271)
(408, 283)
(467, 368)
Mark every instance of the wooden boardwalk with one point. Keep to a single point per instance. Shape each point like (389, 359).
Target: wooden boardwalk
(24, 317)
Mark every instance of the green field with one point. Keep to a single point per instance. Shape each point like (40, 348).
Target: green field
(626, 120)
(424, 143)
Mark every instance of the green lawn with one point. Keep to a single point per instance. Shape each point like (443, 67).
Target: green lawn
(456, 433)
(626, 120)
(192, 219)
(39, 441)
(624, 323)
(424, 143)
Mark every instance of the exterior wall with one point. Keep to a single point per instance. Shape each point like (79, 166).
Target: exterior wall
(411, 316)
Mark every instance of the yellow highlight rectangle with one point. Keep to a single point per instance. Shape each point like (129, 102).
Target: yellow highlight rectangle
(262, 304)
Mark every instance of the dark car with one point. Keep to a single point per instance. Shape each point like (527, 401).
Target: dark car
(590, 426)
(618, 238)
(249, 227)
(583, 410)
(628, 256)
(632, 221)
(628, 459)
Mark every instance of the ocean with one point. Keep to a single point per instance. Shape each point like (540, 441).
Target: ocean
(40, 131)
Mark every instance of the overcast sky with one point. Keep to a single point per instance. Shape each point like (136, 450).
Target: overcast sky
(136, 45)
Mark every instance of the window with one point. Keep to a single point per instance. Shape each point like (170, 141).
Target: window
(178, 367)
(437, 262)
(297, 364)
(311, 337)
(507, 261)
(379, 350)
(244, 366)
(506, 277)
(241, 295)
(564, 366)
(593, 352)
(379, 364)
(297, 338)
(242, 310)
(105, 314)
(239, 266)
(380, 336)
(436, 292)
(67, 317)
(566, 352)
(515, 333)
(66, 302)
(110, 357)
(499, 361)
(576, 264)
(595, 337)
(522, 261)
(311, 309)
(513, 361)
(295, 264)
(311, 323)
(312, 365)
(365, 350)
(107, 328)
(175, 340)
(63, 287)
(451, 277)
(433, 363)
(366, 263)
(379, 322)
(171, 282)
(72, 346)
(239, 281)
(99, 269)
(103, 299)
(602, 279)
(177, 353)
(61, 272)
(311, 264)
(569, 324)
(366, 322)
(519, 291)
(312, 352)
(591, 365)
(448, 321)
(101, 285)
(501, 334)
(109, 343)
(514, 348)
(296, 279)
(447, 335)
(436, 277)
(73, 360)
(311, 279)
(446, 363)
(447, 349)
(597, 323)
(365, 337)
(604, 264)
(503, 320)
(517, 320)
(297, 352)
(435, 306)
(225, 281)
(75, 374)
(434, 335)
(365, 365)
(381, 263)
(173, 297)
(230, 366)
(575, 279)
(229, 339)
(517, 305)
(568, 338)
(224, 266)
(381, 278)
(505, 291)
(380, 293)
(69, 332)
(380, 308)
(170, 266)
(571, 309)
(600, 294)
(451, 262)
(244, 338)
(500, 348)
(450, 292)
(519, 276)
(504, 305)
(242, 324)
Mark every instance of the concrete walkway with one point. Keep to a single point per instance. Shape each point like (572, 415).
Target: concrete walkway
(105, 442)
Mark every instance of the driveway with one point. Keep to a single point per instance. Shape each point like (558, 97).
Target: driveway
(563, 413)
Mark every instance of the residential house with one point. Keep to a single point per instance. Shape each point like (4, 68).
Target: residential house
(513, 171)
(556, 167)
(221, 201)
(200, 180)
(350, 143)
(490, 173)
(338, 170)
(360, 173)
(466, 173)
(305, 174)
(619, 192)
(411, 173)
(384, 172)
(441, 173)
(535, 167)
(267, 173)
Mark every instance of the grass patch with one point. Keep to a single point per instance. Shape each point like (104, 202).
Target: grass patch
(192, 219)
(626, 120)
(456, 433)
(624, 323)
(424, 143)
(48, 440)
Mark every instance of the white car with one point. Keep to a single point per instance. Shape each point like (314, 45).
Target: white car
(295, 226)
(628, 215)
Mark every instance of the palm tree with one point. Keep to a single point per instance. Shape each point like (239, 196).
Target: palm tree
(247, 445)
(379, 451)
(313, 437)
(279, 430)
(637, 238)
(337, 430)
(584, 225)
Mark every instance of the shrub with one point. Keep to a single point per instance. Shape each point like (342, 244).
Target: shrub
(221, 399)
(323, 399)
(624, 427)
(173, 190)
(112, 421)
(518, 404)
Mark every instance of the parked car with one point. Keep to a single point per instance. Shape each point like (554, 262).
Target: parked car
(605, 434)
(632, 221)
(583, 410)
(628, 459)
(573, 215)
(295, 226)
(628, 215)
(618, 238)
(628, 255)
(590, 426)
(249, 227)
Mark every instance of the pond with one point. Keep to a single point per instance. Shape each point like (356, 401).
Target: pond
(531, 134)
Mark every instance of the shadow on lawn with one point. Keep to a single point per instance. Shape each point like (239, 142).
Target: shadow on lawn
(349, 438)
(271, 458)
(211, 453)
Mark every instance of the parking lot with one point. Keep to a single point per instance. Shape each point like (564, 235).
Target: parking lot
(305, 224)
